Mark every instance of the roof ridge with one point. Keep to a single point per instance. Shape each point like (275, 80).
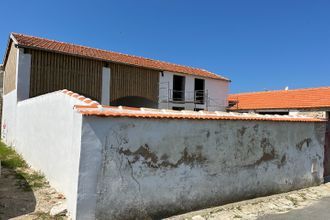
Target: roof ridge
(290, 90)
(114, 52)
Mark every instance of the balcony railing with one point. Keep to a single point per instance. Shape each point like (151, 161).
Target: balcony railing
(180, 96)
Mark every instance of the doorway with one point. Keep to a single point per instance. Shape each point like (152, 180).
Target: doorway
(178, 88)
(199, 91)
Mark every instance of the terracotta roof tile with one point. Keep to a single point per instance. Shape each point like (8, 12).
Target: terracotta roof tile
(93, 53)
(87, 101)
(282, 99)
(93, 108)
(109, 111)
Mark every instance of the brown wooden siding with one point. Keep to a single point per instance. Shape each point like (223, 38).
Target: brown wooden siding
(10, 70)
(52, 71)
(133, 81)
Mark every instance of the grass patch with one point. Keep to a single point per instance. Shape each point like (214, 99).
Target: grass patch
(47, 216)
(26, 179)
(10, 159)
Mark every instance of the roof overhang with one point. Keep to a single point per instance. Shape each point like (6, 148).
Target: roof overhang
(18, 45)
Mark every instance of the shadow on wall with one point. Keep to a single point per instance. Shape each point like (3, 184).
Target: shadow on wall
(16, 196)
(134, 101)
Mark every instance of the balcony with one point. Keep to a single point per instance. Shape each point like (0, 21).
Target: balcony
(195, 97)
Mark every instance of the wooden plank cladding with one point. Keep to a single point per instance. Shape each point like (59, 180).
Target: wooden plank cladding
(133, 86)
(53, 71)
(10, 71)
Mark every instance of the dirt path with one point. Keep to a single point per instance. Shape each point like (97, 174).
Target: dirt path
(254, 208)
(24, 193)
(20, 200)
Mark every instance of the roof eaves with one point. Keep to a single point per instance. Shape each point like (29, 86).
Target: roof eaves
(216, 77)
(281, 91)
(10, 40)
(277, 108)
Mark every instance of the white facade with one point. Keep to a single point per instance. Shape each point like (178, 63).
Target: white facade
(215, 99)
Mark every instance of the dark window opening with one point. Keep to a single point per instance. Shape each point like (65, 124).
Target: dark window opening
(198, 109)
(199, 93)
(273, 113)
(177, 108)
(178, 88)
(232, 103)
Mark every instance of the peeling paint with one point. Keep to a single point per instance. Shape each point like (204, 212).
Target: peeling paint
(306, 142)
(149, 158)
(242, 131)
(268, 151)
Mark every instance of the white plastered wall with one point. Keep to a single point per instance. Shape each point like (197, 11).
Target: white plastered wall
(106, 76)
(217, 91)
(8, 124)
(48, 136)
(23, 75)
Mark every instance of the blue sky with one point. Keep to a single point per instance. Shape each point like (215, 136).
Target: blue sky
(258, 44)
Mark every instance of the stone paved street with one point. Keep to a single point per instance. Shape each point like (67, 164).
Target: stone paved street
(318, 211)
(311, 203)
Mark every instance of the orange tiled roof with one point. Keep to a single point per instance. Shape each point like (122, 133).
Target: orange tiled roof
(93, 53)
(282, 99)
(94, 109)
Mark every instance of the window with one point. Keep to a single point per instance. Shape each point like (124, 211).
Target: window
(198, 109)
(199, 92)
(177, 108)
(178, 88)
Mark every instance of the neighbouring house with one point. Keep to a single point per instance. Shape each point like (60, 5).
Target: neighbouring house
(311, 102)
(314, 102)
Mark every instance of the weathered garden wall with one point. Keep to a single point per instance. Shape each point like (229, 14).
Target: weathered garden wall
(139, 168)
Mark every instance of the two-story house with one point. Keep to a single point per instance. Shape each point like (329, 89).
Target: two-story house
(34, 66)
